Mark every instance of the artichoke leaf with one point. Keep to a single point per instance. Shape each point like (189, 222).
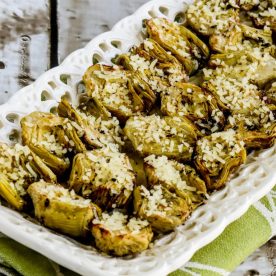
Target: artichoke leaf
(9, 193)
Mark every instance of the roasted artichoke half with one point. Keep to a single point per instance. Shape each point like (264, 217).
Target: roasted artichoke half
(170, 136)
(156, 66)
(122, 92)
(19, 167)
(187, 99)
(180, 41)
(177, 178)
(104, 176)
(210, 17)
(235, 87)
(161, 208)
(217, 156)
(256, 126)
(95, 132)
(52, 138)
(117, 234)
(62, 210)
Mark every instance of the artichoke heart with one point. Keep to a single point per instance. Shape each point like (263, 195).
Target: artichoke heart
(236, 82)
(122, 92)
(156, 66)
(19, 167)
(256, 126)
(209, 17)
(181, 42)
(161, 208)
(104, 176)
(217, 156)
(96, 132)
(186, 99)
(52, 138)
(62, 210)
(177, 178)
(170, 136)
(117, 234)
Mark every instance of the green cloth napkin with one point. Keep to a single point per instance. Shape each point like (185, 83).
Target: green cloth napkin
(220, 257)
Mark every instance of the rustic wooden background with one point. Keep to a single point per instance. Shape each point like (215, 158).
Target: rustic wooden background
(36, 35)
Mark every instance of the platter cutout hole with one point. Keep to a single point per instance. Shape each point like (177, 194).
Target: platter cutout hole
(45, 96)
(65, 78)
(204, 228)
(200, 214)
(151, 14)
(116, 44)
(180, 18)
(190, 226)
(12, 117)
(96, 59)
(103, 46)
(213, 218)
(52, 84)
(2, 65)
(164, 10)
(14, 136)
(144, 23)
(81, 88)
(53, 110)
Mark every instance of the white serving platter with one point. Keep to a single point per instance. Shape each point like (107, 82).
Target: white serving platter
(249, 184)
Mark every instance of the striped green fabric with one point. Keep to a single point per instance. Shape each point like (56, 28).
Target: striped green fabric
(220, 257)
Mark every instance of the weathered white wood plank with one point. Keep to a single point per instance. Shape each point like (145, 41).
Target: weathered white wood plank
(261, 262)
(80, 21)
(24, 43)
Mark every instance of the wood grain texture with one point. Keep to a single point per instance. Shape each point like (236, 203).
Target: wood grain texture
(24, 43)
(80, 21)
(261, 262)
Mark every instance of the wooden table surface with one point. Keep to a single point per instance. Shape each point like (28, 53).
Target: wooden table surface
(36, 35)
